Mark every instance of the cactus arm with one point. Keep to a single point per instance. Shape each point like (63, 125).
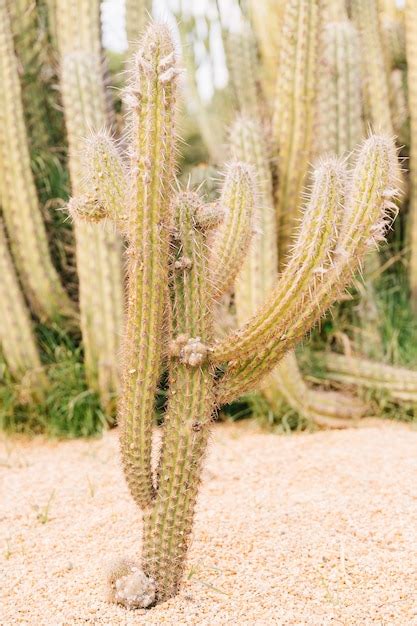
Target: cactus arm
(190, 405)
(259, 270)
(399, 382)
(366, 18)
(233, 235)
(17, 339)
(21, 209)
(107, 176)
(369, 201)
(411, 34)
(154, 74)
(256, 280)
(308, 262)
(293, 116)
(339, 107)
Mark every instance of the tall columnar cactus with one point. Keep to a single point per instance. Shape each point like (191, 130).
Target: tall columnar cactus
(339, 130)
(294, 111)
(30, 43)
(17, 341)
(136, 15)
(98, 251)
(339, 110)
(411, 34)
(375, 65)
(18, 195)
(266, 17)
(171, 292)
(243, 66)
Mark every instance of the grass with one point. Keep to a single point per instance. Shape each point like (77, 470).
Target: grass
(69, 409)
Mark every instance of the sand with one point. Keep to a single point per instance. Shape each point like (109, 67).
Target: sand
(310, 529)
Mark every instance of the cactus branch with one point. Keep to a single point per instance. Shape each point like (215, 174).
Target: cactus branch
(258, 347)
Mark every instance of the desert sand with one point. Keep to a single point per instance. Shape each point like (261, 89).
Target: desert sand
(311, 529)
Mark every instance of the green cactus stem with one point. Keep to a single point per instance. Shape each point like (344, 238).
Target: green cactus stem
(294, 112)
(30, 41)
(137, 13)
(234, 233)
(375, 65)
(98, 250)
(399, 382)
(170, 305)
(256, 280)
(17, 340)
(339, 109)
(282, 320)
(190, 406)
(21, 211)
(411, 34)
(266, 17)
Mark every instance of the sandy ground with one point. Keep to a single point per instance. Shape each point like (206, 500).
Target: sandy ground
(310, 529)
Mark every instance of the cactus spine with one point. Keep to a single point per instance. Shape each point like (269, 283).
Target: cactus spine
(411, 35)
(98, 251)
(19, 200)
(294, 111)
(171, 296)
(17, 340)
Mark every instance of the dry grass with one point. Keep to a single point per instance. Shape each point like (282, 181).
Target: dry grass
(310, 529)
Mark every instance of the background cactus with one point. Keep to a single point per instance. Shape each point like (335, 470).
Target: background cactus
(167, 246)
(17, 340)
(18, 194)
(98, 251)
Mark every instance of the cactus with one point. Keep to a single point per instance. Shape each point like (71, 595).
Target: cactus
(339, 108)
(375, 65)
(136, 15)
(242, 63)
(17, 340)
(266, 17)
(399, 382)
(294, 111)
(339, 129)
(170, 300)
(18, 195)
(411, 37)
(255, 281)
(98, 251)
(30, 43)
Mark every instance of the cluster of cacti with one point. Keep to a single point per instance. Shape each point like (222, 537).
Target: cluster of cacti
(182, 254)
